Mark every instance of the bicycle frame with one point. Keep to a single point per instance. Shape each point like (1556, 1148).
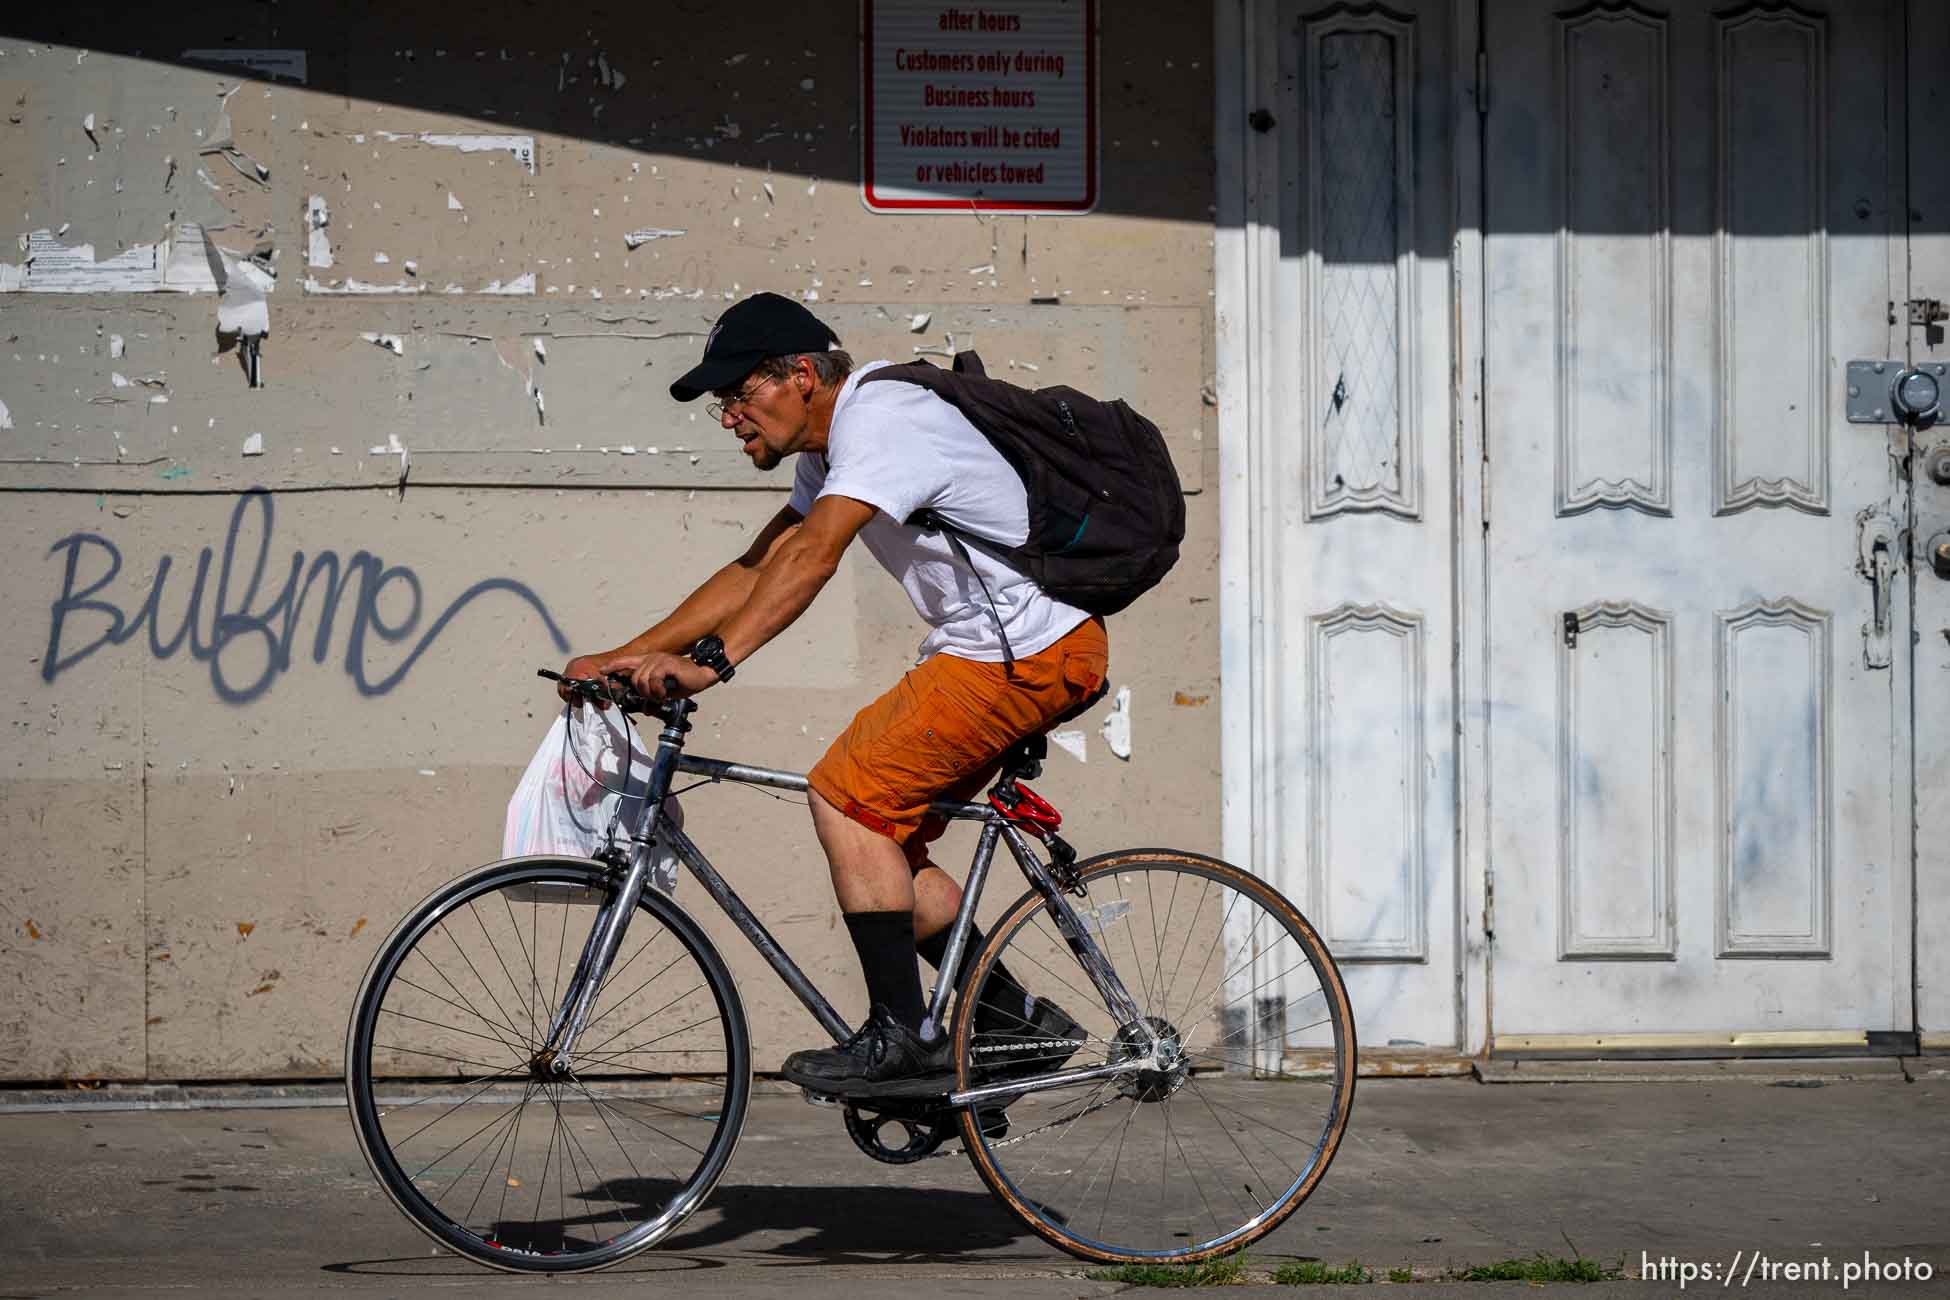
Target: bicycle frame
(606, 934)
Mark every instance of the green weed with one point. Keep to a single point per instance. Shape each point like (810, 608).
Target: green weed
(1223, 1271)
(1538, 1268)
(1311, 1270)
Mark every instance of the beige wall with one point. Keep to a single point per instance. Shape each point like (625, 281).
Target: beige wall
(205, 834)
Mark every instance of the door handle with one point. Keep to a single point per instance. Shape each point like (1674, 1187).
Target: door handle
(1876, 561)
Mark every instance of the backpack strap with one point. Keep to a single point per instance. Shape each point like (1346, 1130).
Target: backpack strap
(965, 363)
(929, 521)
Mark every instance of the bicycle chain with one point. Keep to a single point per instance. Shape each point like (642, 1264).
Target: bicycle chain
(1022, 1137)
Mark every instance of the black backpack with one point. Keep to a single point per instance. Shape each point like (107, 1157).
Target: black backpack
(1106, 513)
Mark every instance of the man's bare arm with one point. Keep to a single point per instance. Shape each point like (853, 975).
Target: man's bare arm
(795, 572)
(717, 598)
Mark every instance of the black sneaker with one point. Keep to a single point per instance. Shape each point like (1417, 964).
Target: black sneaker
(1016, 1047)
(884, 1058)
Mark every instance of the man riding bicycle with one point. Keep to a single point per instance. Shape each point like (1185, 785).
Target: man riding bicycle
(1003, 659)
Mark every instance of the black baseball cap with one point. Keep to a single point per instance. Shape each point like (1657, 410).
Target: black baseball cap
(763, 325)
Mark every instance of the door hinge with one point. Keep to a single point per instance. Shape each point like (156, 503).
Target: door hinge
(1927, 311)
(1482, 83)
(1570, 629)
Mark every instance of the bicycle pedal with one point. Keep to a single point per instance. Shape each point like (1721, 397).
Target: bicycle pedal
(818, 1098)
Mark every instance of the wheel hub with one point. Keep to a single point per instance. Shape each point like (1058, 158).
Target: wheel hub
(1156, 1042)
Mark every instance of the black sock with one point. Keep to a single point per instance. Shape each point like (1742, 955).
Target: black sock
(1002, 994)
(885, 942)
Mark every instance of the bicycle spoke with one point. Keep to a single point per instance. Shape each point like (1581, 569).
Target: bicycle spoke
(1157, 1161)
(505, 1017)
(513, 984)
(450, 1110)
(527, 956)
(488, 1172)
(587, 1175)
(468, 1007)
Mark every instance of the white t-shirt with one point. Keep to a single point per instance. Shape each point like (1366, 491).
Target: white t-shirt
(899, 448)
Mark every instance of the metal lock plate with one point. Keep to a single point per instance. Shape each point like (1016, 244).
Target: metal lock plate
(1889, 392)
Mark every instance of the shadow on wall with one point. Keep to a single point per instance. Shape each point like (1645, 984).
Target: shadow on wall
(771, 88)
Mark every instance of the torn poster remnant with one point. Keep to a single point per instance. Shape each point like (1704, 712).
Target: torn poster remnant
(1072, 743)
(242, 309)
(54, 267)
(318, 246)
(254, 445)
(523, 284)
(315, 285)
(180, 263)
(637, 238)
(393, 343)
(284, 65)
(1117, 726)
(521, 146)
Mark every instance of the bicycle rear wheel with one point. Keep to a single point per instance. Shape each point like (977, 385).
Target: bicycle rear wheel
(476, 1140)
(1247, 1040)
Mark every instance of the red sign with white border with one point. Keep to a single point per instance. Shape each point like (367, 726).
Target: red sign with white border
(987, 108)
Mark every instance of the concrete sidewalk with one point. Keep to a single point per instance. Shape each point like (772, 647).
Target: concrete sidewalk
(1435, 1175)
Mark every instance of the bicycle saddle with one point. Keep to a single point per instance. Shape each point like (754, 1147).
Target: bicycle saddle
(1024, 759)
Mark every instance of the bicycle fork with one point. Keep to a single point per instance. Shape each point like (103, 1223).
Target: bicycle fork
(1117, 999)
(606, 935)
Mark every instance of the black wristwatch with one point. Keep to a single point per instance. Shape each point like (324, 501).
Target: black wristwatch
(709, 653)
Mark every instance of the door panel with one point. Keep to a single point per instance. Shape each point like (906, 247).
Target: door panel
(1355, 485)
(1695, 797)
(1928, 97)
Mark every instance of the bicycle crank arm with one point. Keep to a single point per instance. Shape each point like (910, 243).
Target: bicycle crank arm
(1061, 1079)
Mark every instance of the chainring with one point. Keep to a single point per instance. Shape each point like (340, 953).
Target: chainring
(925, 1128)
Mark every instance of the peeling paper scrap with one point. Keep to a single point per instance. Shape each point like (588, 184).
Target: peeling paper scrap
(521, 146)
(1117, 726)
(318, 248)
(541, 350)
(6, 420)
(193, 262)
(54, 267)
(453, 204)
(1071, 743)
(919, 321)
(288, 65)
(116, 345)
(254, 445)
(521, 284)
(393, 343)
(242, 309)
(313, 285)
(637, 238)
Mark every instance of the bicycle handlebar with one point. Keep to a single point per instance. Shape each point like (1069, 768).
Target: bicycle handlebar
(615, 690)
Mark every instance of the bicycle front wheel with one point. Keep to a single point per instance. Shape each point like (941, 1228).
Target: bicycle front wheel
(1240, 1042)
(482, 1145)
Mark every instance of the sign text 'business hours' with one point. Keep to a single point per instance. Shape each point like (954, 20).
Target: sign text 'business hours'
(990, 108)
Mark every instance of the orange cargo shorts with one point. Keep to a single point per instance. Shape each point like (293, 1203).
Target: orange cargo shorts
(940, 733)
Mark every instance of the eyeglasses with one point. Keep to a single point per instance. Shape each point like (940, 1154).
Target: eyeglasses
(716, 410)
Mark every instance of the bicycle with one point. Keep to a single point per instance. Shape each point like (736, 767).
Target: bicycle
(1257, 1050)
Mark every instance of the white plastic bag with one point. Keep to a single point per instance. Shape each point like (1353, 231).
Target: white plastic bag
(576, 787)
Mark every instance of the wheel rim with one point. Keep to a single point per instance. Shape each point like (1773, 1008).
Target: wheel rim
(480, 1140)
(1244, 1045)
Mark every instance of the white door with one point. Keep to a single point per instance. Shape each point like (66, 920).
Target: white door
(1929, 277)
(1353, 774)
(1698, 649)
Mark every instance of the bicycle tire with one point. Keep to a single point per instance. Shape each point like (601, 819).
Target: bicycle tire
(605, 1096)
(1244, 1071)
